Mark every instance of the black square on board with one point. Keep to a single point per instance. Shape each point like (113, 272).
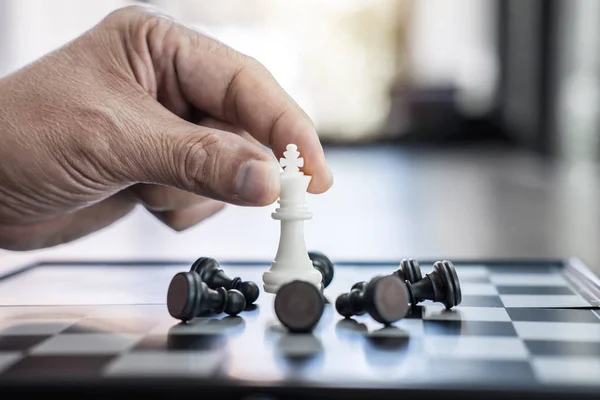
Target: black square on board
(535, 290)
(415, 312)
(21, 343)
(72, 366)
(468, 328)
(114, 325)
(541, 269)
(481, 301)
(552, 315)
(183, 342)
(563, 348)
(477, 371)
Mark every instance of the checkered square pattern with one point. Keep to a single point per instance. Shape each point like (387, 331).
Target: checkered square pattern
(515, 326)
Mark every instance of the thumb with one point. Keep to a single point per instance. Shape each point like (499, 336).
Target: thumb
(202, 160)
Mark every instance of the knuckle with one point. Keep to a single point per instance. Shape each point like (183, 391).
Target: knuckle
(197, 157)
(85, 155)
(239, 58)
(255, 66)
(210, 45)
(123, 16)
(100, 151)
(133, 13)
(250, 61)
(137, 21)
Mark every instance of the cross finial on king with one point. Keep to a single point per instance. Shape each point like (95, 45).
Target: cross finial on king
(292, 161)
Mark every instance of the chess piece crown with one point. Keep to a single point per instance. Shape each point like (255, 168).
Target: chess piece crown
(294, 184)
(291, 162)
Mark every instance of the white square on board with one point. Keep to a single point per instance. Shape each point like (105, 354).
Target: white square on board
(162, 363)
(473, 347)
(459, 313)
(478, 289)
(528, 280)
(545, 301)
(569, 331)
(87, 343)
(567, 370)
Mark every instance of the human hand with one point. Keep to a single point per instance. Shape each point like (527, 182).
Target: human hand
(141, 109)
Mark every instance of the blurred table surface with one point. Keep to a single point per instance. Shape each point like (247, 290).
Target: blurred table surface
(388, 203)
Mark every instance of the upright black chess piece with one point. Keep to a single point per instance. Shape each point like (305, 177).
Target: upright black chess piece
(188, 296)
(385, 298)
(442, 285)
(213, 275)
(409, 270)
(324, 265)
(299, 306)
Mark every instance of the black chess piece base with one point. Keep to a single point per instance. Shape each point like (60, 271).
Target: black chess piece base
(213, 275)
(188, 296)
(385, 298)
(442, 285)
(299, 306)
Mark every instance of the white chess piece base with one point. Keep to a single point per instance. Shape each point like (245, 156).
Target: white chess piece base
(292, 261)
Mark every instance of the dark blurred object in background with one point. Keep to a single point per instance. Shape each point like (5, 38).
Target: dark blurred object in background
(546, 94)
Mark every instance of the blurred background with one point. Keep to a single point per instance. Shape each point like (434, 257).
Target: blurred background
(455, 128)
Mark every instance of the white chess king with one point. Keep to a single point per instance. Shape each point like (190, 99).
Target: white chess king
(291, 261)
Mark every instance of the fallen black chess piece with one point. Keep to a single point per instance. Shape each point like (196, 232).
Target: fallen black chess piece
(385, 298)
(299, 306)
(355, 303)
(441, 286)
(213, 275)
(188, 297)
(386, 302)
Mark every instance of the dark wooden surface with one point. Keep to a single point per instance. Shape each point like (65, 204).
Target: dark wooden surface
(389, 203)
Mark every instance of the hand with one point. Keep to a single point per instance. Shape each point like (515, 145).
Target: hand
(141, 109)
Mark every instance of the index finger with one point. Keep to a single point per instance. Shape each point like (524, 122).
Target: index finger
(236, 88)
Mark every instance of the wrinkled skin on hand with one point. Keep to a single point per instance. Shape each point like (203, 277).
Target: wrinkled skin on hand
(141, 109)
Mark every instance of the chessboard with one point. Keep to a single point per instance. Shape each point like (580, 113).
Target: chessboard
(522, 328)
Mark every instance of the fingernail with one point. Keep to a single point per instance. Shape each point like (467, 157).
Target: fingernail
(257, 181)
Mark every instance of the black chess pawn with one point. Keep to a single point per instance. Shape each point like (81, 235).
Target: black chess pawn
(442, 286)
(385, 298)
(299, 306)
(188, 296)
(213, 275)
(344, 302)
(324, 265)
(409, 270)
